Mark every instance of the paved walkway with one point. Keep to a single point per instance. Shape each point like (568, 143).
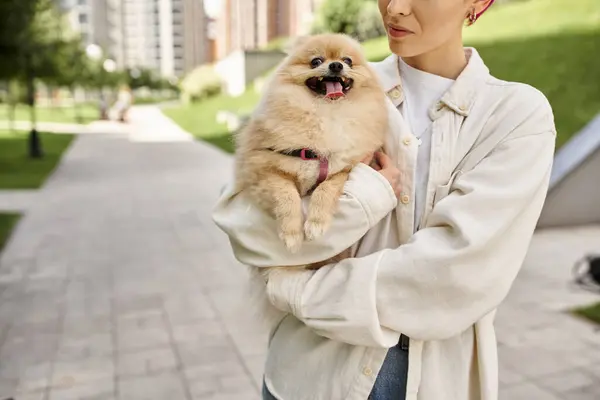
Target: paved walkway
(17, 200)
(118, 286)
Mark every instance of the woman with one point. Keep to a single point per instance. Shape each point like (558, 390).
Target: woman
(411, 315)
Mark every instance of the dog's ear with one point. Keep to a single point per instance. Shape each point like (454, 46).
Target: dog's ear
(294, 43)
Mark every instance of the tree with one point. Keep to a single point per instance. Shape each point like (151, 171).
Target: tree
(29, 35)
(357, 18)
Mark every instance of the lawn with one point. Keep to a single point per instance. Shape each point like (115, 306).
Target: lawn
(200, 119)
(591, 312)
(550, 44)
(88, 113)
(7, 222)
(17, 170)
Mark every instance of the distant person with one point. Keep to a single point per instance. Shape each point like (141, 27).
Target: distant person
(124, 102)
(103, 107)
(411, 316)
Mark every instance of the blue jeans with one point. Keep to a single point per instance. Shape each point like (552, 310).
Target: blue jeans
(391, 380)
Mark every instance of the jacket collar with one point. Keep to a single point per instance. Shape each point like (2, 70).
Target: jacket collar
(459, 98)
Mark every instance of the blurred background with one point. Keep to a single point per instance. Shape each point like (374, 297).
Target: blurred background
(116, 119)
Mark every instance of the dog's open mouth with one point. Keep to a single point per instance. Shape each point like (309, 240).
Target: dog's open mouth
(332, 87)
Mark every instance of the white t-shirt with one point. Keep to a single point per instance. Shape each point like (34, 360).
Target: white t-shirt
(421, 91)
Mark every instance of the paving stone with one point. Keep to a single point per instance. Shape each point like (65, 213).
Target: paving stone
(142, 330)
(139, 303)
(188, 307)
(161, 386)
(102, 389)
(17, 200)
(74, 373)
(86, 326)
(35, 395)
(216, 384)
(146, 362)
(8, 387)
(34, 378)
(80, 347)
(565, 382)
(590, 392)
(526, 391)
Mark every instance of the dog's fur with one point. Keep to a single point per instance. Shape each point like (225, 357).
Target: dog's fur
(293, 116)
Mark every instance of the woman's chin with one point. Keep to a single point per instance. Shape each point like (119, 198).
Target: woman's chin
(403, 49)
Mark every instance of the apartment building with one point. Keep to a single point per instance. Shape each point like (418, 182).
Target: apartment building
(251, 24)
(166, 36)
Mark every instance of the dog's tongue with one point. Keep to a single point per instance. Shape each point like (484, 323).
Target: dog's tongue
(334, 89)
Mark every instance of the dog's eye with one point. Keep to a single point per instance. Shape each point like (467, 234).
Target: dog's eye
(316, 62)
(347, 60)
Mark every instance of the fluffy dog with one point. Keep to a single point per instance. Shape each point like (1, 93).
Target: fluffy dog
(322, 113)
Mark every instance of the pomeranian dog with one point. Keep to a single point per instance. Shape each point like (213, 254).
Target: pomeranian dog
(322, 113)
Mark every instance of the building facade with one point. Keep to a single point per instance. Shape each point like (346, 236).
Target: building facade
(166, 36)
(252, 24)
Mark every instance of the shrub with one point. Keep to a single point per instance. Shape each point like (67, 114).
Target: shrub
(357, 18)
(201, 83)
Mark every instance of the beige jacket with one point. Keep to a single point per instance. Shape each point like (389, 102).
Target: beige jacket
(491, 156)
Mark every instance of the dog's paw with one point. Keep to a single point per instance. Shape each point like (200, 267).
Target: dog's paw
(292, 240)
(314, 229)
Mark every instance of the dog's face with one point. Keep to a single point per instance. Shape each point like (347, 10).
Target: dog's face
(328, 66)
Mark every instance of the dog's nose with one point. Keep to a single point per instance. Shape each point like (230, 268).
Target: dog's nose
(336, 66)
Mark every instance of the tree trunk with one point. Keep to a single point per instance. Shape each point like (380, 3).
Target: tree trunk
(35, 145)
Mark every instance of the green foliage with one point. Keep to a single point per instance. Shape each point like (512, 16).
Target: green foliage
(36, 39)
(357, 18)
(369, 24)
(201, 83)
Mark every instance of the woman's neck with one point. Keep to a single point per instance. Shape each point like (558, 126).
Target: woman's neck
(447, 61)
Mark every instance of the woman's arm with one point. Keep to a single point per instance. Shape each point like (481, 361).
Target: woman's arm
(367, 198)
(452, 272)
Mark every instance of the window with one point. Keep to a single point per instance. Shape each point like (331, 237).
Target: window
(83, 18)
(82, 2)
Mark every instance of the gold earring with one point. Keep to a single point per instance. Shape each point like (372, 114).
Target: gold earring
(472, 17)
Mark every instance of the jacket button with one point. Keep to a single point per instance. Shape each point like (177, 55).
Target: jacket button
(395, 94)
(367, 371)
(405, 199)
(407, 141)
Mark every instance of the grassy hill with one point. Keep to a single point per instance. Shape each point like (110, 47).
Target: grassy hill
(553, 45)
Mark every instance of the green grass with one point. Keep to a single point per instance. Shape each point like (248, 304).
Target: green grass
(517, 21)
(591, 312)
(553, 45)
(87, 112)
(17, 170)
(200, 119)
(7, 223)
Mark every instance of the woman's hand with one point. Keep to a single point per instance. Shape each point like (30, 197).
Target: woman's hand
(384, 165)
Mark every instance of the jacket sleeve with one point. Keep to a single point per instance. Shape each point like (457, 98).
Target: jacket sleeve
(451, 273)
(367, 198)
